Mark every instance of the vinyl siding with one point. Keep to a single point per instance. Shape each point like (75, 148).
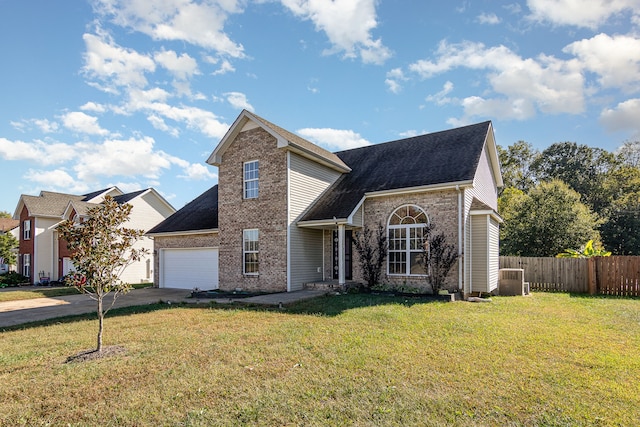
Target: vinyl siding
(479, 254)
(494, 253)
(358, 217)
(147, 212)
(484, 184)
(307, 180)
(45, 248)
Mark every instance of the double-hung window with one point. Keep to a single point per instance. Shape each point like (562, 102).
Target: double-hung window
(26, 265)
(251, 175)
(26, 230)
(250, 252)
(406, 241)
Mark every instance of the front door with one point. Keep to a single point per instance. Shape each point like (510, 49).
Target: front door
(348, 237)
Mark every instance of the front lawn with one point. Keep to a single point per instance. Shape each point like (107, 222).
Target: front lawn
(548, 359)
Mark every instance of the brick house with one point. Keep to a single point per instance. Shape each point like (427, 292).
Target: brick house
(285, 211)
(43, 256)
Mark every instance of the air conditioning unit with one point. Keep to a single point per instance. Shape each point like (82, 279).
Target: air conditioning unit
(511, 282)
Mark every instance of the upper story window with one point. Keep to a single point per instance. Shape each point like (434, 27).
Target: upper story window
(406, 239)
(250, 251)
(26, 230)
(251, 174)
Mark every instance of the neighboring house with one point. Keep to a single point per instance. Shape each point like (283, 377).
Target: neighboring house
(8, 226)
(285, 211)
(43, 256)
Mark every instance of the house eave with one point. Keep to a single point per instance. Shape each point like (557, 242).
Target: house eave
(182, 233)
(422, 188)
(323, 223)
(312, 156)
(493, 214)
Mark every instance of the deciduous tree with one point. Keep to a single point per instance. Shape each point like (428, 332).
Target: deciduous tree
(516, 161)
(581, 167)
(545, 221)
(101, 249)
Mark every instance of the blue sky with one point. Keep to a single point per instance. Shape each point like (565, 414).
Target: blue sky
(137, 93)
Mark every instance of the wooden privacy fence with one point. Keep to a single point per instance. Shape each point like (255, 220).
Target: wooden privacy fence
(614, 275)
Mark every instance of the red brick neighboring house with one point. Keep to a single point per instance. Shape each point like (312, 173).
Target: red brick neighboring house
(285, 211)
(43, 256)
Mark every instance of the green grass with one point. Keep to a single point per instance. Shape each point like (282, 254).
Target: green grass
(548, 359)
(17, 294)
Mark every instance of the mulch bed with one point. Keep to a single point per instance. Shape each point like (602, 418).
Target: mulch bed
(87, 355)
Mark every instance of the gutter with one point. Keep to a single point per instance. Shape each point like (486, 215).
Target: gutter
(181, 233)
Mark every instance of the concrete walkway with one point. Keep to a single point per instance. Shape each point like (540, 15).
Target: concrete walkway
(32, 310)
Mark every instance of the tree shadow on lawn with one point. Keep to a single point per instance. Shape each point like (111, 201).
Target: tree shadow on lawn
(327, 305)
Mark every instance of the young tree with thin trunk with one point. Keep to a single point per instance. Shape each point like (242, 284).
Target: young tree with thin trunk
(101, 249)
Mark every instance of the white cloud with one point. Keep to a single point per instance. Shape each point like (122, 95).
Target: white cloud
(56, 179)
(77, 121)
(130, 187)
(441, 98)
(92, 106)
(583, 13)
(408, 133)
(158, 123)
(347, 24)
(513, 8)
(238, 100)
(524, 85)
(394, 77)
(623, 117)
(45, 125)
(488, 19)
(44, 153)
(115, 66)
(125, 157)
(224, 68)
(198, 23)
(152, 102)
(181, 66)
(334, 139)
(198, 172)
(616, 59)
(195, 118)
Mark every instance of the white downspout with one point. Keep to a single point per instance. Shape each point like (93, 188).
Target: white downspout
(460, 252)
(341, 255)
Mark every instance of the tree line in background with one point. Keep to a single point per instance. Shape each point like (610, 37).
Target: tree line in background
(568, 194)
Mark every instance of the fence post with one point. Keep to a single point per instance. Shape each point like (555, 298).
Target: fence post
(591, 275)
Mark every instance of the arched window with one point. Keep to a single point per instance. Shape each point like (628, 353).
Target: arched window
(405, 236)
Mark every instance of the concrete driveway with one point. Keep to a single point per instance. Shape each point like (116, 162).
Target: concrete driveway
(32, 310)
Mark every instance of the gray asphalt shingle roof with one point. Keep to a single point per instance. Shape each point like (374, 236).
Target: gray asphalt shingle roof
(199, 214)
(437, 158)
(53, 204)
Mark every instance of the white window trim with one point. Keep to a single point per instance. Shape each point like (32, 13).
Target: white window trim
(408, 251)
(26, 230)
(245, 181)
(26, 265)
(245, 251)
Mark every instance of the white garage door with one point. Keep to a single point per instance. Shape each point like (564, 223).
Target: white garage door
(189, 268)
